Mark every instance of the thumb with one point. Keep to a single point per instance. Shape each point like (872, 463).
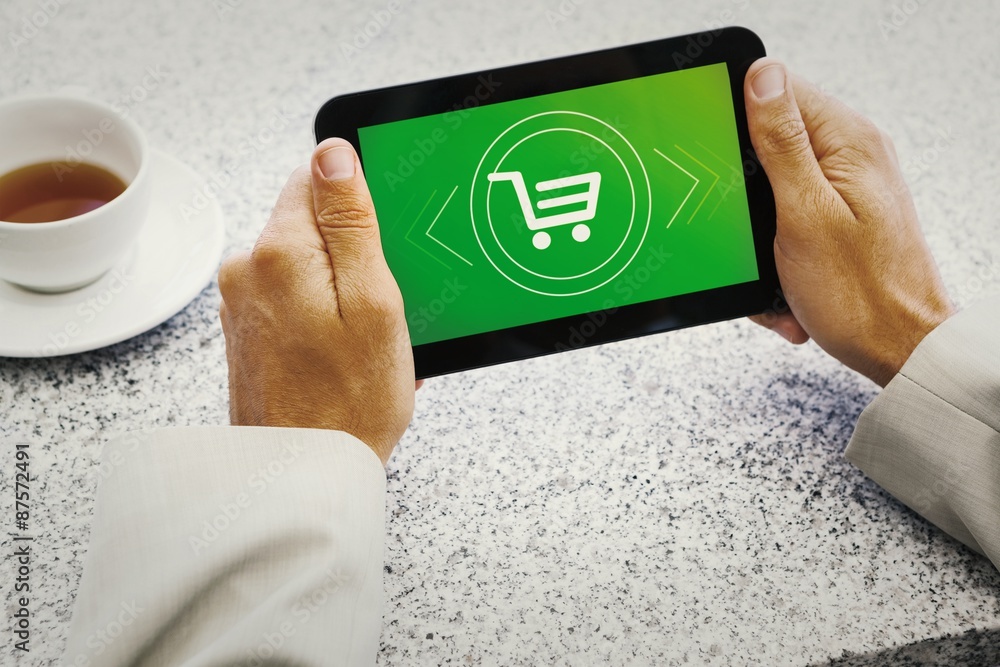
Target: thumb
(345, 216)
(778, 133)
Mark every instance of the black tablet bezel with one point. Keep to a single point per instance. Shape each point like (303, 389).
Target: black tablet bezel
(737, 47)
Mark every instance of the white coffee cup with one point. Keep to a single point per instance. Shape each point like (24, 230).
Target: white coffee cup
(67, 254)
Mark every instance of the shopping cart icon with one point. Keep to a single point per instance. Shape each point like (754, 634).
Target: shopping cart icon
(542, 239)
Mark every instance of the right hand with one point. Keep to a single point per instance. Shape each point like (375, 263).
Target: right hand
(854, 266)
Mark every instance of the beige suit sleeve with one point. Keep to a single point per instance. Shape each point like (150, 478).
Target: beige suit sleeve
(233, 546)
(932, 437)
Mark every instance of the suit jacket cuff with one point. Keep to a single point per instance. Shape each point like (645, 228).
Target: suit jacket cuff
(931, 437)
(225, 545)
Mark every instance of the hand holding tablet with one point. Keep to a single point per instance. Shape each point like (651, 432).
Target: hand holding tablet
(555, 205)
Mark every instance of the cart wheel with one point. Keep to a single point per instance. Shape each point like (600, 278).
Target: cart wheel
(541, 240)
(581, 233)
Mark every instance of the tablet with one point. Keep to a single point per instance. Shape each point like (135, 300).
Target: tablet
(544, 207)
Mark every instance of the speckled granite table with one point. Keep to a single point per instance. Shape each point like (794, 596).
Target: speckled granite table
(680, 499)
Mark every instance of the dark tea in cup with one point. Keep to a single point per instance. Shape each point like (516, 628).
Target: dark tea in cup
(65, 221)
(50, 191)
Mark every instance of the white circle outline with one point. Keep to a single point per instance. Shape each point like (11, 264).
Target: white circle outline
(631, 222)
(645, 174)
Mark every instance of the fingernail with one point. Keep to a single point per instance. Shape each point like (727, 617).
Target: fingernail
(769, 82)
(337, 163)
(784, 334)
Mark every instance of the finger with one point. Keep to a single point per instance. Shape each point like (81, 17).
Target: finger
(831, 124)
(345, 216)
(784, 324)
(292, 222)
(232, 272)
(419, 384)
(890, 147)
(854, 154)
(778, 132)
(222, 316)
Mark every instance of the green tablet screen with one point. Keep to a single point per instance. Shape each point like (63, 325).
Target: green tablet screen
(499, 215)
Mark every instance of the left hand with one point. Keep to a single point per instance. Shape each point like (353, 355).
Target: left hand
(315, 331)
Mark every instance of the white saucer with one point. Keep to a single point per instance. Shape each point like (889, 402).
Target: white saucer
(173, 259)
